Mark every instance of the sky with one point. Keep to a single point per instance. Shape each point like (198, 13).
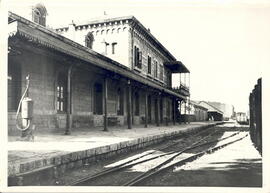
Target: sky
(224, 44)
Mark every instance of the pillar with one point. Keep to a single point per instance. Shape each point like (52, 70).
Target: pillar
(185, 117)
(174, 113)
(158, 113)
(129, 105)
(146, 109)
(166, 111)
(69, 115)
(105, 104)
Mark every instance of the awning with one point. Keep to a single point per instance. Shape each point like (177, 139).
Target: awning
(176, 67)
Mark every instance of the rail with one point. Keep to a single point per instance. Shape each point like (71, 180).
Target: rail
(152, 171)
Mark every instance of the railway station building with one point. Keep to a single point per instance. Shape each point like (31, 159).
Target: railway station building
(101, 73)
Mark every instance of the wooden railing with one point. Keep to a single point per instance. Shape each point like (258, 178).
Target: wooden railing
(184, 90)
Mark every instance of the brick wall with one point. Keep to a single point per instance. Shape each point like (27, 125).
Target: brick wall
(148, 50)
(42, 88)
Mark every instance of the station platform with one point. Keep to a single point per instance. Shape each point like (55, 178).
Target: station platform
(59, 152)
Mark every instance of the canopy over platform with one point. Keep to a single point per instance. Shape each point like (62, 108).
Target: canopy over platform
(176, 67)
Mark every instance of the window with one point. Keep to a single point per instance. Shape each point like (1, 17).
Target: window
(161, 73)
(120, 102)
(113, 47)
(149, 66)
(14, 86)
(89, 39)
(39, 13)
(36, 16)
(155, 69)
(106, 45)
(98, 99)
(137, 57)
(137, 104)
(61, 104)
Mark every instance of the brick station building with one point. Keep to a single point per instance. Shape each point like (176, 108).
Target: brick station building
(111, 71)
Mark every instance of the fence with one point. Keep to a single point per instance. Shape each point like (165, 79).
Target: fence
(255, 109)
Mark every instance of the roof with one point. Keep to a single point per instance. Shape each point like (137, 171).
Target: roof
(36, 33)
(137, 24)
(176, 66)
(210, 107)
(198, 105)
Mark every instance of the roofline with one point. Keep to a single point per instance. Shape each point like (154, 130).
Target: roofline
(186, 70)
(153, 37)
(134, 19)
(213, 107)
(106, 62)
(198, 105)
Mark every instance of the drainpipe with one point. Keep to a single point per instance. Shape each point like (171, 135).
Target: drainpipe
(105, 87)
(69, 115)
(71, 31)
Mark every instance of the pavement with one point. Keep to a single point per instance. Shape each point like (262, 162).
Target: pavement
(54, 149)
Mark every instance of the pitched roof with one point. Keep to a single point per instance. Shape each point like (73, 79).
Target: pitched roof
(196, 104)
(36, 33)
(137, 24)
(210, 107)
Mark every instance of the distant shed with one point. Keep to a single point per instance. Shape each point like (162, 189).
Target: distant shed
(212, 112)
(200, 112)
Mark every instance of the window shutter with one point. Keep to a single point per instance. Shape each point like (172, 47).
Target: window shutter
(135, 56)
(140, 60)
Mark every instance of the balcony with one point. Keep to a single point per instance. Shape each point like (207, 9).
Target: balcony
(183, 90)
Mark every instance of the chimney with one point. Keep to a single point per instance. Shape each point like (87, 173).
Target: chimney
(71, 31)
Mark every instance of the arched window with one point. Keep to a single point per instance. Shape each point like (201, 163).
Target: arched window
(89, 39)
(39, 13)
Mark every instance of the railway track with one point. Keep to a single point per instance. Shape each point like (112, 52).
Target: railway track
(125, 164)
(158, 169)
(164, 165)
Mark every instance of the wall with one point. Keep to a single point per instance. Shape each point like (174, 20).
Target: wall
(43, 67)
(109, 33)
(42, 84)
(120, 32)
(148, 49)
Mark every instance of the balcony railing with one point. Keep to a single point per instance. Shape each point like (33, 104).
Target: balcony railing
(183, 90)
